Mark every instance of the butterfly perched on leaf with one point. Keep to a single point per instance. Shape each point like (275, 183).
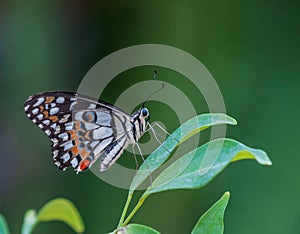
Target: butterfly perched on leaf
(83, 129)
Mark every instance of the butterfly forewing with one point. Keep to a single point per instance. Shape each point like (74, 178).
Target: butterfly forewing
(81, 128)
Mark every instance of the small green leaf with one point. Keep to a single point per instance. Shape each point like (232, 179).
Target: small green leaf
(200, 166)
(136, 229)
(29, 222)
(3, 225)
(185, 131)
(62, 210)
(212, 220)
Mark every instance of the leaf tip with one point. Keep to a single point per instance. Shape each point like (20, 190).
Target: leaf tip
(64, 210)
(263, 158)
(269, 163)
(227, 194)
(233, 121)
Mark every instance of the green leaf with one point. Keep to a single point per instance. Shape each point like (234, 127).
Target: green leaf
(136, 229)
(212, 220)
(3, 225)
(200, 166)
(62, 210)
(30, 221)
(185, 131)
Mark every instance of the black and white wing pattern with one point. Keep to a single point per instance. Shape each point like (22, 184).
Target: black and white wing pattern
(83, 129)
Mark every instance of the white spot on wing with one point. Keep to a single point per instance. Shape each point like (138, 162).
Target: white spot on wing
(57, 129)
(46, 121)
(54, 110)
(26, 107)
(94, 143)
(65, 157)
(92, 106)
(102, 132)
(28, 99)
(35, 111)
(73, 104)
(48, 132)
(103, 118)
(54, 153)
(55, 141)
(67, 145)
(63, 136)
(111, 157)
(60, 100)
(64, 119)
(90, 126)
(102, 145)
(78, 116)
(115, 149)
(40, 116)
(74, 162)
(39, 101)
(68, 126)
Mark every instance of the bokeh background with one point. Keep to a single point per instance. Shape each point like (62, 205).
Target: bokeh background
(252, 48)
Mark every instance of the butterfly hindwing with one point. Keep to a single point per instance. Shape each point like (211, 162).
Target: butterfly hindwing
(113, 152)
(80, 128)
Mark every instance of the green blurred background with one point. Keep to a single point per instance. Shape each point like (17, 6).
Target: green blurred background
(252, 48)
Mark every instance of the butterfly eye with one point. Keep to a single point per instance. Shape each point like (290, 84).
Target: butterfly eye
(145, 112)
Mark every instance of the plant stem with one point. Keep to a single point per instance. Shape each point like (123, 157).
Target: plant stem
(141, 201)
(129, 197)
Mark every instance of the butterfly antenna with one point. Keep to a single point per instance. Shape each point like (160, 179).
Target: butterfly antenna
(155, 74)
(162, 86)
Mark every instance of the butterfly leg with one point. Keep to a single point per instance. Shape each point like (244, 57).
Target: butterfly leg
(161, 128)
(135, 159)
(156, 138)
(155, 134)
(140, 151)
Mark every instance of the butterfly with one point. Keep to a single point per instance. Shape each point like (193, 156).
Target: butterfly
(83, 129)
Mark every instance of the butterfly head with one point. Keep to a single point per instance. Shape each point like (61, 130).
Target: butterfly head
(144, 114)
